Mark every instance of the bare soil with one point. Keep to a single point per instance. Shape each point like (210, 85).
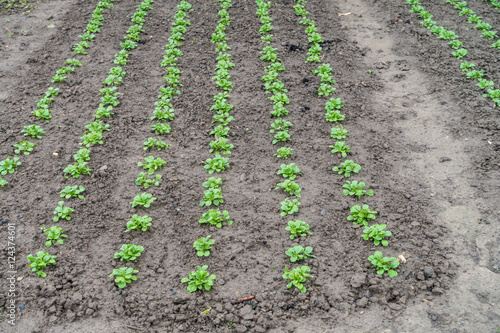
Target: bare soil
(427, 140)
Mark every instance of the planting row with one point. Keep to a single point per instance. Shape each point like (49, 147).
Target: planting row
(360, 214)
(43, 111)
(94, 135)
(460, 51)
(200, 279)
(280, 128)
(163, 113)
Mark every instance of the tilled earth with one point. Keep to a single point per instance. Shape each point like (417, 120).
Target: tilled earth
(426, 139)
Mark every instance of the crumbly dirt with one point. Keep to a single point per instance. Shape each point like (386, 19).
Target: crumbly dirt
(426, 139)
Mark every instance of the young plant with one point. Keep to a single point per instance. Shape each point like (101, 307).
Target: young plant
(151, 164)
(356, 188)
(129, 252)
(139, 223)
(485, 84)
(384, 264)
(342, 148)
(297, 253)
(72, 192)
(297, 277)
(460, 53)
(24, 146)
(289, 207)
(161, 128)
(216, 164)
(334, 116)
(34, 131)
(377, 234)
(361, 215)
(212, 196)
(124, 275)
(203, 246)
(62, 212)
(54, 234)
(339, 133)
(298, 229)
(347, 167)
(282, 136)
(151, 143)
(290, 187)
(9, 165)
(144, 180)
(3, 182)
(42, 260)
(143, 200)
(289, 171)
(199, 279)
(213, 182)
(284, 152)
(221, 145)
(76, 170)
(216, 217)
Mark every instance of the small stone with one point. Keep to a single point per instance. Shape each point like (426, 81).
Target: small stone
(358, 280)
(243, 177)
(362, 302)
(240, 328)
(444, 159)
(104, 167)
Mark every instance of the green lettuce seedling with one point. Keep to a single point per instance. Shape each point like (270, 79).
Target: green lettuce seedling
(139, 223)
(143, 200)
(283, 152)
(54, 234)
(289, 171)
(72, 192)
(377, 234)
(298, 229)
(216, 217)
(216, 164)
(24, 146)
(290, 187)
(62, 212)
(384, 264)
(203, 246)
(212, 196)
(361, 215)
(9, 165)
(199, 279)
(289, 207)
(342, 148)
(297, 253)
(297, 276)
(129, 252)
(124, 275)
(152, 164)
(42, 260)
(356, 188)
(347, 168)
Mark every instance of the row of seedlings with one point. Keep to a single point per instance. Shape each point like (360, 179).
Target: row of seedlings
(43, 111)
(359, 214)
(201, 279)
(163, 112)
(93, 135)
(459, 52)
(484, 27)
(280, 127)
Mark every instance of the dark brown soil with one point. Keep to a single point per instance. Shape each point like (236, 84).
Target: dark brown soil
(430, 154)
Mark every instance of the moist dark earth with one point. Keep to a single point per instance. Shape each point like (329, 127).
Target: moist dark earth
(428, 143)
